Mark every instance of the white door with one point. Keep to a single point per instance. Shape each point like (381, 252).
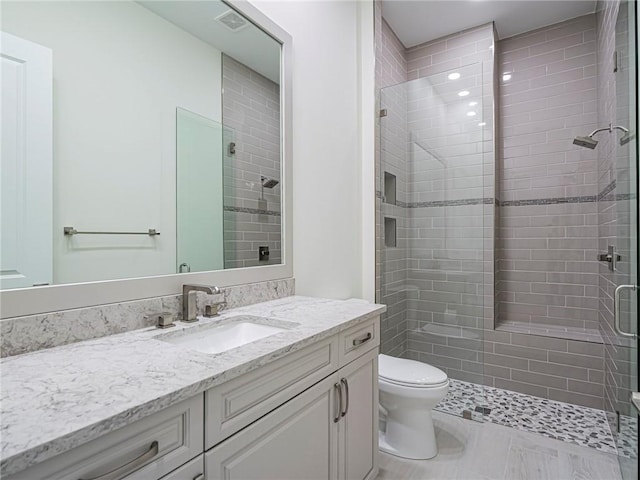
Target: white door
(26, 162)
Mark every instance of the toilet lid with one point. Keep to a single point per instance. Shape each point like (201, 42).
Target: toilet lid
(409, 372)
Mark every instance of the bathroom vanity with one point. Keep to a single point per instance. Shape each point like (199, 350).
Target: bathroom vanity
(299, 403)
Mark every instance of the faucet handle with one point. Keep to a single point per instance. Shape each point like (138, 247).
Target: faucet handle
(196, 287)
(214, 309)
(161, 319)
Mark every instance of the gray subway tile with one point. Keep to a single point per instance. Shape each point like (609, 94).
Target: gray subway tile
(529, 389)
(540, 379)
(520, 352)
(584, 361)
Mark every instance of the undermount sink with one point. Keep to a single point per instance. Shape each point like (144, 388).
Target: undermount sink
(217, 339)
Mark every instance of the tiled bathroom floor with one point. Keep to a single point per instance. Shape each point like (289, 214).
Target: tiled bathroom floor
(471, 450)
(555, 420)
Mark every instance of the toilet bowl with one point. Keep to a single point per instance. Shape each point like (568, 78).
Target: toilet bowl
(409, 390)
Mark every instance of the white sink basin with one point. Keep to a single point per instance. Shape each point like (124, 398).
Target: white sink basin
(224, 337)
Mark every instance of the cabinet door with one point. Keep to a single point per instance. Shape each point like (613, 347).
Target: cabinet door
(296, 441)
(358, 436)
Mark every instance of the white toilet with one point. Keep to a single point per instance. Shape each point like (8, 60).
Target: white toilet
(409, 390)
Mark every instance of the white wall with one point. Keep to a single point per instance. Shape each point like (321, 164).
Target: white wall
(333, 189)
(119, 72)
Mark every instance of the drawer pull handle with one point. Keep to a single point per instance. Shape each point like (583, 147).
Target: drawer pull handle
(343, 381)
(361, 340)
(337, 397)
(200, 476)
(129, 467)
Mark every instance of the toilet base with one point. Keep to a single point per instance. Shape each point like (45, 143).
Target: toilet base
(383, 446)
(426, 452)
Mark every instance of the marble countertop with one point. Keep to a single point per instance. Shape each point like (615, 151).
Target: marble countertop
(56, 399)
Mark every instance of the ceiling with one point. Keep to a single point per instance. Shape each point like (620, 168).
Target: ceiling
(250, 46)
(420, 21)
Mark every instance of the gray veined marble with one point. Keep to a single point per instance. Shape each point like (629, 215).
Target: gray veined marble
(56, 399)
(27, 334)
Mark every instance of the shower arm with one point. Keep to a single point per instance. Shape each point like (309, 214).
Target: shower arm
(610, 128)
(619, 127)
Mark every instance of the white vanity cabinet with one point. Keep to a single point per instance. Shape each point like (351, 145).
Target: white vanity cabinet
(326, 432)
(329, 431)
(147, 449)
(311, 414)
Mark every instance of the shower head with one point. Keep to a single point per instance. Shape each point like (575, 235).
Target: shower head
(268, 182)
(627, 137)
(586, 142)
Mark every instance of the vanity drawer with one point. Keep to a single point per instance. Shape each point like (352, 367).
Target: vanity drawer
(359, 339)
(235, 404)
(193, 470)
(144, 450)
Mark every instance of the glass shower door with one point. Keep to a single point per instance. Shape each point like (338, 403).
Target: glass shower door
(433, 158)
(623, 349)
(199, 205)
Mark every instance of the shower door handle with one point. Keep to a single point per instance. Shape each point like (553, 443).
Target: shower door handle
(616, 310)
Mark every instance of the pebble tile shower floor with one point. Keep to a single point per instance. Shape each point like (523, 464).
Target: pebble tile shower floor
(556, 420)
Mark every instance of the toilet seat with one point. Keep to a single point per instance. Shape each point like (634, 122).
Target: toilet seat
(413, 385)
(410, 373)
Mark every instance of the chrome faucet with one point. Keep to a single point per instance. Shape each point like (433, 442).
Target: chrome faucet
(189, 313)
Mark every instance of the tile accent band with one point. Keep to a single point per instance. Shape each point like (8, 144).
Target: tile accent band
(255, 211)
(602, 196)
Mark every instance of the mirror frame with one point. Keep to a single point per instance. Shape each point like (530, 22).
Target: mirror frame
(36, 300)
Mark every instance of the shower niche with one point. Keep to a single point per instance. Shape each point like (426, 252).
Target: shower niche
(390, 232)
(389, 188)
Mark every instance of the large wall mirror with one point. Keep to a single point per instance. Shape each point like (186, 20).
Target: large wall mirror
(140, 140)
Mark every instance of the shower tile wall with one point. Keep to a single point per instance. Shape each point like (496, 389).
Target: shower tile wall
(392, 262)
(555, 368)
(613, 212)
(251, 117)
(547, 237)
(561, 369)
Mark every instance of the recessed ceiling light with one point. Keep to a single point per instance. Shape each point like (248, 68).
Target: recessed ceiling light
(471, 114)
(506, 77)
(463, 93)
(454, 76)
(473, 104)
(482, 124)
